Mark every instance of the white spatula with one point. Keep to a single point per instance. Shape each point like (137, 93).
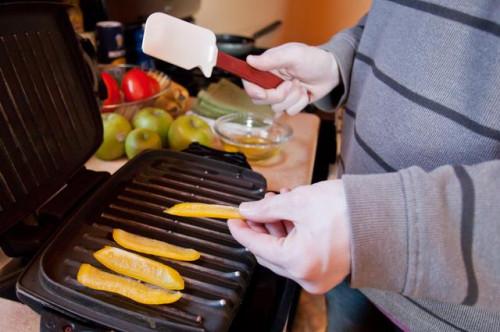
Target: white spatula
(189, 46)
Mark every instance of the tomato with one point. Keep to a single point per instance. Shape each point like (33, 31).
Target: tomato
(136, 85)
(113, 91)
(155, 86)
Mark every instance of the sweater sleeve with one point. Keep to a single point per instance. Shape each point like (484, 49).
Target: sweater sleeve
(432, 235)
(343, 46)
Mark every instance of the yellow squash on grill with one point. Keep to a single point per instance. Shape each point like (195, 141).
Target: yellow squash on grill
(139, 267)
(153, 247)
(201, 210)
(95, 278)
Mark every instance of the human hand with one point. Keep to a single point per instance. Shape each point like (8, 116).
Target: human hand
(303, 234)
(309, 74)
(279, 228)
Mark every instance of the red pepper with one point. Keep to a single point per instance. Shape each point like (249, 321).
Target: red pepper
(114, 96)
(136, 85)
(155, 86)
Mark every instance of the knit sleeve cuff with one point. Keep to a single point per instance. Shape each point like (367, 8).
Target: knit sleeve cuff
(379, 243)
(342, 46)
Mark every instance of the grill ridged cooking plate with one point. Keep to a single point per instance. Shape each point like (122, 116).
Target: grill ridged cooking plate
(133, 200)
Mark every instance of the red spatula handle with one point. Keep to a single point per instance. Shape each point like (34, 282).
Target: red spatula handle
(242, 69)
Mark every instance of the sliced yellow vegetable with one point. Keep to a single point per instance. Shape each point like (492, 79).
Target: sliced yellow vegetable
(138, 267)
(201, 210)
(153, 247)
(94, 278)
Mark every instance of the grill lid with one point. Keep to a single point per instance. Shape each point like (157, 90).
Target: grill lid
(49, 119)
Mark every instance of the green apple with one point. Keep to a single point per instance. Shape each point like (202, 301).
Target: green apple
(154, 119)
(141, 139)
(115, 130)
(187, 129)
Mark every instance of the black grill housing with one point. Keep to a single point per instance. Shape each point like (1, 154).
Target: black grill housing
(134, 200)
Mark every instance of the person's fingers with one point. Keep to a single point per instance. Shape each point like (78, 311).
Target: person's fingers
(254, 91)
(289, 226)
(277, 95)
(270, 209)
(293, 97)
(286, 55)
(262, 245)
(300, 104)
(276, 229)
(283, 73)
(261, 96)
(260, 228)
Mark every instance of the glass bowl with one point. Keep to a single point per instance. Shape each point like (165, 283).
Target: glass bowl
(257, 136)
(163, 99)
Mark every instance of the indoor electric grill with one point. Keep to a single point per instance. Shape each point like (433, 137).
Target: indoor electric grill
(49, 126)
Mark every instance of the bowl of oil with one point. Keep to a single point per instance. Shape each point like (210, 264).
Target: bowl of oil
(257, 136)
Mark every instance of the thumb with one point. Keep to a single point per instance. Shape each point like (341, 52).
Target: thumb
(269, 209)
(264, 62)
(276, 57)
(263, 245)
(254, 91)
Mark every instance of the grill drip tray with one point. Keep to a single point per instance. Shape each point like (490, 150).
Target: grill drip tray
(133, 199)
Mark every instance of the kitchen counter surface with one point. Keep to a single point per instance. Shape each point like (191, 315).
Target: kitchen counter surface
(293, 167)
(17, 317)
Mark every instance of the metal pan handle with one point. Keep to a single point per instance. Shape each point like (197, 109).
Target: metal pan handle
(267, 29)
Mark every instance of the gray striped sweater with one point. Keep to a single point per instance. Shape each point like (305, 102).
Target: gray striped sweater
(420, 155)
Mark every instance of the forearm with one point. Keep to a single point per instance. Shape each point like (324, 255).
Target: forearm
(429, 235)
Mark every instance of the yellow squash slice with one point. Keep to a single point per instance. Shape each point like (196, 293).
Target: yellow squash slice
(138, 267)
(94, 278)
(153, 247)
(201, 210)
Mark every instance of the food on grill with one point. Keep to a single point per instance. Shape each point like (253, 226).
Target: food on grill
(153, 247)
(94, 278)
(138, 267)
(201, 210)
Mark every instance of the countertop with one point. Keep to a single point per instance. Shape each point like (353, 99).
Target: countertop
(293, 167)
